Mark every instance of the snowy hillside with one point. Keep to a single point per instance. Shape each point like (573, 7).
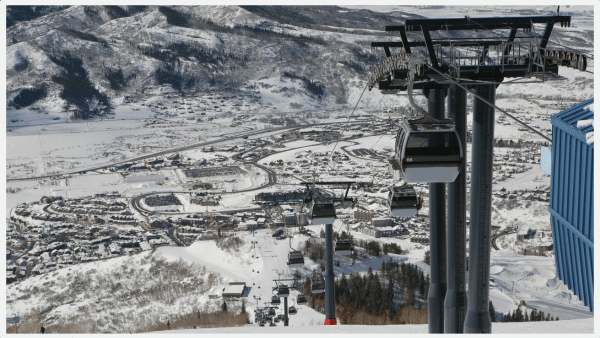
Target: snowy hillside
(130, 287)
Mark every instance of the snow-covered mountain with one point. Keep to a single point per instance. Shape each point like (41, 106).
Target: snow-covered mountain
(84, 59)
(115, 51)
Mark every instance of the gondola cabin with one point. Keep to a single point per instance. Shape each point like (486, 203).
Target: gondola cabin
(275, 300)
(271, 313)
(301, 299)
(283, 290)
(322, 212)
(292, 310)
(295, 259)
(317, 287)
(343, 246)
(404, 202)
(429, 151)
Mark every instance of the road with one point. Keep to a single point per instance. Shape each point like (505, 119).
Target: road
(272, 180)
(499, 235)
(168, 151)
(30, 245)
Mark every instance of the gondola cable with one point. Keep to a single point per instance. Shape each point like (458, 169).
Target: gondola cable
(346, 126)
(491, 104)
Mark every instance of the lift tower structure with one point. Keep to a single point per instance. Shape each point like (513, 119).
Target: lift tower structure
(472, 55)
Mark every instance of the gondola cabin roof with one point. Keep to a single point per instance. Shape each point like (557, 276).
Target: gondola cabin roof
(399, 191)
(295, 259)
(283, 291)
(322, 212)
(428, 124)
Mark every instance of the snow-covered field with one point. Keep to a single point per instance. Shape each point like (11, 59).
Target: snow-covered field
(585, 326)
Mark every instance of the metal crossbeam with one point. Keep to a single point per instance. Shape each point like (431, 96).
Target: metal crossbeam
(512, 60)
(444, 43)
(511, 38)
(330, 184)
(429, 45)
(404, 39)
(467, 23)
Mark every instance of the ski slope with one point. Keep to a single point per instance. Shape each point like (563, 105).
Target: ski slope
(263, 259)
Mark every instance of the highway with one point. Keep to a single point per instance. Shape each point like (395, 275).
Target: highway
(271, 175)
(168, 151)
(272, 180)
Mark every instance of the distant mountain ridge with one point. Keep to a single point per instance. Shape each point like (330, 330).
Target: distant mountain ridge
(317, 55)
(128, 50)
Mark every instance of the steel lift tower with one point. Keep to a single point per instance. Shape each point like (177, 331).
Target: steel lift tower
(317, 216)
(474, 55)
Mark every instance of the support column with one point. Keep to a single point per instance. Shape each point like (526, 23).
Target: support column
(329, 277)
(285, 312)
(437, 231)
(455, 304)
(478, 317)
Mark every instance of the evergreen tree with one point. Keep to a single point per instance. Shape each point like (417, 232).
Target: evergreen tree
(410, 301)
(243, 307)
(492, 312)
(342, 289)
(377, 296)
(224, 306)
(518, 315)
(389, 299)
(421, 284)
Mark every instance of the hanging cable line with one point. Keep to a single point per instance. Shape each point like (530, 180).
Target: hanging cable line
(346, 126)
(492, 105)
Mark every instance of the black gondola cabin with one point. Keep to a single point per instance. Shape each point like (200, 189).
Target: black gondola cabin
(283, 290)
(343, 246)
(429, 151)
(301, 299)
(317, 287)
(322, 212)
(295, 259)
(404, 201)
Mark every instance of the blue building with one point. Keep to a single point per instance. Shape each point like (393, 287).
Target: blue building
(572, 198)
